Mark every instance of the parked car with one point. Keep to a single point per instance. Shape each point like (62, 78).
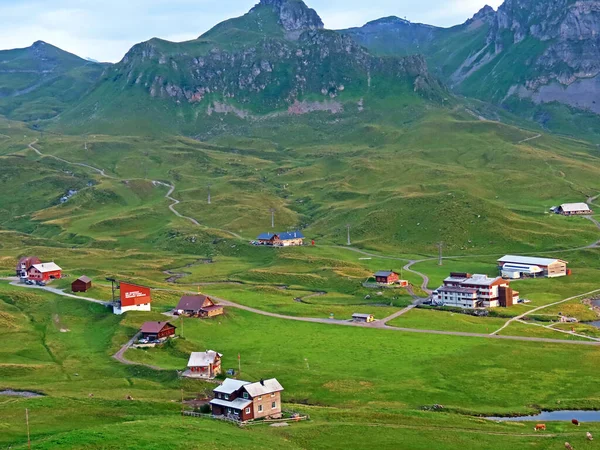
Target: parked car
(143, 341)
(29, 283)
(40, 283)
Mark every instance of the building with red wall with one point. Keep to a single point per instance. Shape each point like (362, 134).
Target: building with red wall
(44, 272)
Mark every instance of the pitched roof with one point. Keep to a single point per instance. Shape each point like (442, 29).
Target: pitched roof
(265, 236)
(291, 235)
(238, 403)
(203, 359)
(192, 302)
(154, 327)
(229, 386)
(46, 267)
(266, 387)
(529, 260)
(84, 279)
(572, 207)
(383, 273)
(362, 316)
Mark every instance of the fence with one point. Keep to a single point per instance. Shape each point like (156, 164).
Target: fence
(242, 424)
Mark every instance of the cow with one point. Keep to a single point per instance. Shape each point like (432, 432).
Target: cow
(575, 422)
(540, 427)
(568, 446)
(589, 436)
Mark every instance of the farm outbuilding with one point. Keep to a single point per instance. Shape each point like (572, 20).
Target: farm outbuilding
(513, 266)
(81, 284)
(574, 209)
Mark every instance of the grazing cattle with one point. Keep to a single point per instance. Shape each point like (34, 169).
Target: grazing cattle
(589, 436)
(575, 422)
(540, 427)
(91, 396)
(568, 446)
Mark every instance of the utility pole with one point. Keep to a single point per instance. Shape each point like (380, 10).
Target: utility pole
(209, 193)
(348, 227)
(85, 146)
(441, 257)
(272, 217)
(28, 434)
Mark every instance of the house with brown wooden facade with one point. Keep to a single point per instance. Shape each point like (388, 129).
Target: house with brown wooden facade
(204, 365)
(154, 331)
(245, 401)
(198, 306)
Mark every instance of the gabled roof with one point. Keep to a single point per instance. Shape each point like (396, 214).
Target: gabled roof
(291, 235)
(154, 327)
(266, 387)
(84, 279)
(362, 316)
(534, 261)
(572, 207)
(203, 359)
(46, 267)
(193, 302)
(229, 386)
(383, 273)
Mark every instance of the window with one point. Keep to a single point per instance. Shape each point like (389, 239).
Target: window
(274, 405)
(247, 410)
(260, 408)
(245, 395)
(273, 395)
(260, 398)
(226, 397)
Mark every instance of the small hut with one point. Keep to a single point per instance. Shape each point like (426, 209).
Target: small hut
(81, 284)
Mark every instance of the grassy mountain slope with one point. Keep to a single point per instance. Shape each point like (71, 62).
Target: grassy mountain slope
(41, 81)
(275, 60)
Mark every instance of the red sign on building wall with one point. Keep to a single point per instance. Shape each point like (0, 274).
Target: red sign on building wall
(132, 295)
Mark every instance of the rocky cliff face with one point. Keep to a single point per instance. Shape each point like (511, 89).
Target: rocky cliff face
(267, 70)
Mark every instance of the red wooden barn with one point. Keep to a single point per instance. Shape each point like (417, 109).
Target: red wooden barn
(44, 272)
(81, 284)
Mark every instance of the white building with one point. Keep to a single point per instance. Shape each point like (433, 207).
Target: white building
(574, 209)
(475, 291)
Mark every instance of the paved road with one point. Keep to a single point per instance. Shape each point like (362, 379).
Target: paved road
(60, 292)
(120, 355)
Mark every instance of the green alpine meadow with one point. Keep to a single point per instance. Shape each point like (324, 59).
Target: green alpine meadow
(281, 236)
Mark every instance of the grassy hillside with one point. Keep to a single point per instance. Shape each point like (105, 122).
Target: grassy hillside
(41, 81)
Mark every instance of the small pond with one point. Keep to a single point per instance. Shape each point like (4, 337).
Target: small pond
(25, 394)
(553, 416)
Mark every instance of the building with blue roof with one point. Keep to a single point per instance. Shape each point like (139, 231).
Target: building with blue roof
(285, 239)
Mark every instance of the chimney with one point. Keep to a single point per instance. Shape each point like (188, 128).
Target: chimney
(262, 381)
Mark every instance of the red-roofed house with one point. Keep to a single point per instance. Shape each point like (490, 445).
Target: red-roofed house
(157, 330)
(199, 306)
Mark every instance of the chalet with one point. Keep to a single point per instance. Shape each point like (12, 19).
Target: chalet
(363, 318)
(573, 209)
(464, 290)
(133, 298)
(294, 238)
(198, 306)
(512, 266)
(44, 272)
(154, 331)
(387, 277)
(25, 263)
(81, 284)
(204, 365)
(244, 401)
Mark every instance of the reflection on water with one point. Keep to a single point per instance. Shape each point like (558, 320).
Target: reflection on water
(550, 416)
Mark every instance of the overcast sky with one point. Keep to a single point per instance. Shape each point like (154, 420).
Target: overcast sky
(106, 29)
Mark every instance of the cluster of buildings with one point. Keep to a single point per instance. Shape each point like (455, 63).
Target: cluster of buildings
(287, 239)
(33, 269)
(464, 290)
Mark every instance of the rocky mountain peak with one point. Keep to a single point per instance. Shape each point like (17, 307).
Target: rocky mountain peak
(294, 16)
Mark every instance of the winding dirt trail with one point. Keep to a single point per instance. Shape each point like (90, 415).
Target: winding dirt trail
(530, 139)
